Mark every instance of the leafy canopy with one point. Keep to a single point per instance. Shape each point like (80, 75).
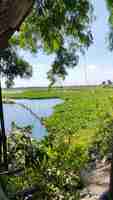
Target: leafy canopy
(109, 4)
(61, 27)
(12, 66)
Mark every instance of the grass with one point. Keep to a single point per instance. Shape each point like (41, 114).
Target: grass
(72, 130)
(32, 94)
(80, 114)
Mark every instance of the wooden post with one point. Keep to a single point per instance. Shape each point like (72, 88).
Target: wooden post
(3, 135)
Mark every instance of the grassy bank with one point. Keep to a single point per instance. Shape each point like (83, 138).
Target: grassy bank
(79, 115)
(73, 129)
(32, 94)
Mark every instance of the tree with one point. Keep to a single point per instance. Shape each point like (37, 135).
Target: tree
(103, 82)
(109, 82)
(11, 66)
(109, 4)
(61, 27)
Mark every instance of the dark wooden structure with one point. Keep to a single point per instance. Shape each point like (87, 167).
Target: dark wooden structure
(12, 14)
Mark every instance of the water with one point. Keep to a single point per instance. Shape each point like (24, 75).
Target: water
(22, 117)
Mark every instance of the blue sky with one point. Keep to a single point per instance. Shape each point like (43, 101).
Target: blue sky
(93, 69)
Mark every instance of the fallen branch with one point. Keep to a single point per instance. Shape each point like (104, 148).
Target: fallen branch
(12, 172)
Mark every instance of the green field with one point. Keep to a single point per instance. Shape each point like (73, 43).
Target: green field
(81, 122)
(79, 115)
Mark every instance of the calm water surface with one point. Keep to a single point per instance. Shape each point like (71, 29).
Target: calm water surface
(22, 117)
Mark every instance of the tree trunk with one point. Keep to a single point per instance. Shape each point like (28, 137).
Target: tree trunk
(3, 143)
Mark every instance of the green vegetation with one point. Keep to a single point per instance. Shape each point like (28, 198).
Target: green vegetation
(80, 117)
(61, 27)
(12, 66)
(81, 123)
(80, 114)
(32, 94)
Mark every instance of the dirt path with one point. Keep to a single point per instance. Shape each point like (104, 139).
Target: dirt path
(97, 182)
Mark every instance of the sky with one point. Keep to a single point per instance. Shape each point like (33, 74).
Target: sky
(95, 67)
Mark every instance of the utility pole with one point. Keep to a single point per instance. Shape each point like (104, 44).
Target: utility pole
(85, 71)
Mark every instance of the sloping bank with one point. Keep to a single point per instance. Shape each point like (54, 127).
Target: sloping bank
(72, 140)
(76, 131)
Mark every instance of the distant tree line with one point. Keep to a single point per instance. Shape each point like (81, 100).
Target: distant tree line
(108, 82)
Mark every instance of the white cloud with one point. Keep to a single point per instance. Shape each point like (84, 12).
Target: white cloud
(91, 67)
